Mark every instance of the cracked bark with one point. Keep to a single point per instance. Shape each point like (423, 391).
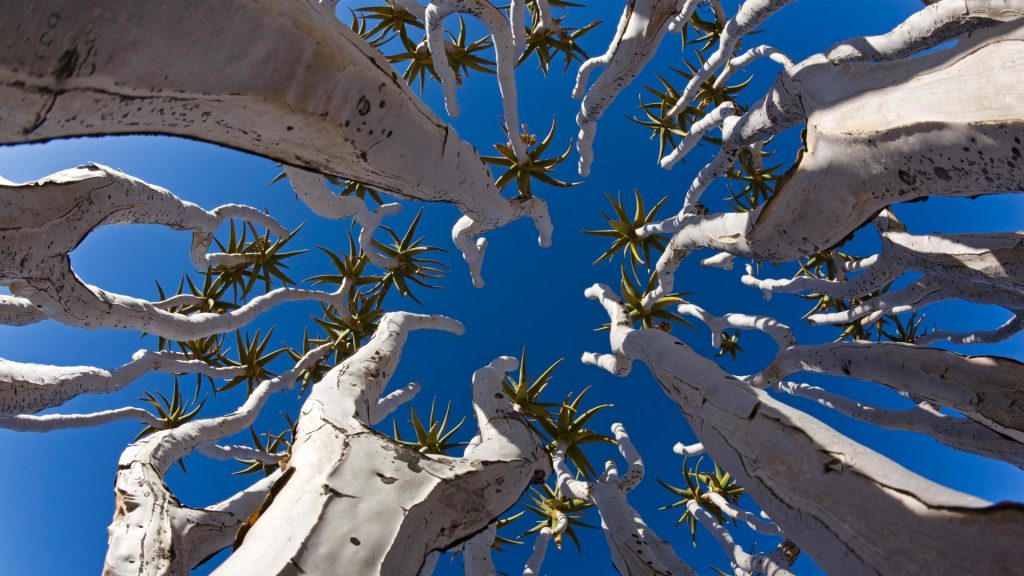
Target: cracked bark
(152, 533)
(364, 501)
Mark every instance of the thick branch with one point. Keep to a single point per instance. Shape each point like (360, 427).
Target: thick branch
(364, 501)
(640, 30)
(51, 422)
(29, 388)
(984, 388)
(958, 433)
(886, 509)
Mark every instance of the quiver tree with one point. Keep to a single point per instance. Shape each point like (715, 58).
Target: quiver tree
(635, 548)
(853, 165)
(326, 100)
(359, 499)
(711, 499)
(47, 219)
(741, 428)
(287, 81)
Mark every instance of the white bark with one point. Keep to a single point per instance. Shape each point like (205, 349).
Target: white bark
(218, 452)
(752, 520)
(722, 260)
(152, 533)
(466, 233)
(640, 30)
(885, 509)
(688, 449)
(312, 189)
(504, 57)
(743, 60)
(361, 500)
(958, 433)
(51, 422)
(779, 332)
(981, 268)
(476, 553)
(853, 164)
(16, 311)
(540, 547)
(742, 562)
(985, 388)
(323, 99)
(636, 549)
(698, 129)
(29, 388)
(517, 23)
(45, 220)
(750, 15)
(1009, 328)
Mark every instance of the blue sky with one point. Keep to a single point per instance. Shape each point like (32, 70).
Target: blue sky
(55, 490)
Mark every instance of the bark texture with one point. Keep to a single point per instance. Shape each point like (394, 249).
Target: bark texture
(742, 427)
(361, 500)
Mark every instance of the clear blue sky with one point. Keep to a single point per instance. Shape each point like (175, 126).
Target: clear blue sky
(56, 489)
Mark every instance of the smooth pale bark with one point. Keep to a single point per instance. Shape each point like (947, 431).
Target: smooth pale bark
(742, 562)
(505, 57)
(49, 217)
(51, 422)
(466, 233)
(152, 533)
(282, 79)
(16, 311)
(41, 222)
(540, 548)
(28, 388)
(981, 268)
(635, 548)
(779, 332)
(753, 521)
(743, 60)
(936, 131)
(312, 189)
(322, 99)
(361, 500)
(989, 389)
(995, 260)
(476, 553)
(957, 433)
(641, 27)
(885, 510)
(750, 15)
